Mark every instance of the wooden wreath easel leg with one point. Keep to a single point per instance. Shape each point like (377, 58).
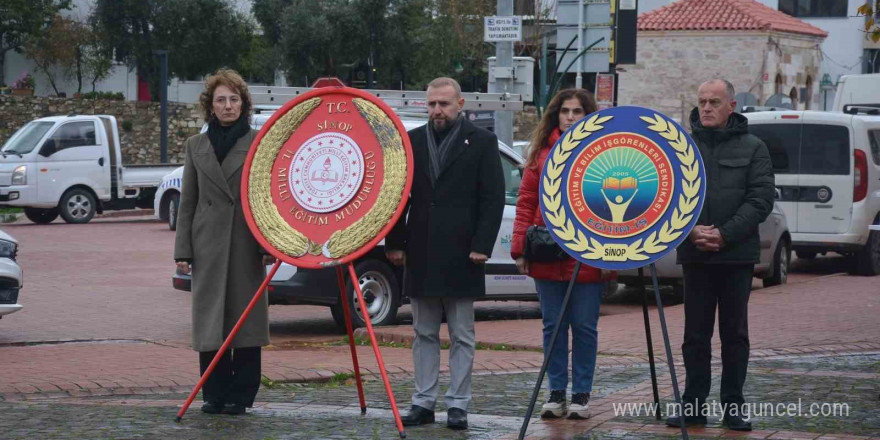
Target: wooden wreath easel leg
(228, 341)
(644, 294)
(348, 327)
(369, 325)
(684, 433)
(564, 308)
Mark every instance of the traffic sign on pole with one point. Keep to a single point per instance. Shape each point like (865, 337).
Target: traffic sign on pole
(502, 28)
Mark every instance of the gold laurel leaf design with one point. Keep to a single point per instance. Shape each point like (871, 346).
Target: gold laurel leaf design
(359, 233)
(670, 230)
(274, 228)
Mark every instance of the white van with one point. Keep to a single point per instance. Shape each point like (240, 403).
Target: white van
(857, 90)
(827, 167)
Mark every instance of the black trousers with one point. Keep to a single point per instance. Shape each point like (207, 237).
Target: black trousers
(235, 379)
(728, 286)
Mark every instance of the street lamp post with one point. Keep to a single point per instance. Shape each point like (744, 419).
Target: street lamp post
(163, 99)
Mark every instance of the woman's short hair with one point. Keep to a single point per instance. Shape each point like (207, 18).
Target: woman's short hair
(229, 78)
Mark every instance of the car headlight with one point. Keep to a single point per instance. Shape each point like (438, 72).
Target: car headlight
(19, 176)
(8, 249)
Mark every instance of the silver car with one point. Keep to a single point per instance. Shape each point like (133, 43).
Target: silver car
(772, 269)
(10, 275)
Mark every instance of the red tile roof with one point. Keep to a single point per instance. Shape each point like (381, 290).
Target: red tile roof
(716, 15)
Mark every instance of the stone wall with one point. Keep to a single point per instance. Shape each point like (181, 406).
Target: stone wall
(524, 123)
(140, 144)
(793, 62)
(672, 65)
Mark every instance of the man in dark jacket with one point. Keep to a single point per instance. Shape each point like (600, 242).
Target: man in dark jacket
(720, 254)
(455, 209)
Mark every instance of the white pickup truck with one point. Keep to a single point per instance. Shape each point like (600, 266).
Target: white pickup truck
(71, 165)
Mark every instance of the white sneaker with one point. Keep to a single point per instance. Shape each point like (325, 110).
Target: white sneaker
(580, 406)
(555, 406)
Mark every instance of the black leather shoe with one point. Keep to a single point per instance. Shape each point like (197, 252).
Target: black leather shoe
(233, 409)
(456, 418)
(675, 421)
(418, 416)
(212, 408)
(736, 423)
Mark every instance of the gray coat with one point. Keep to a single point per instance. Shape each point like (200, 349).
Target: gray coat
(227, 266)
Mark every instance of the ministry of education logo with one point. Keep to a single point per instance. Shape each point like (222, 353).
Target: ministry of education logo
(622, 188)
(326, 172)
(327, 177)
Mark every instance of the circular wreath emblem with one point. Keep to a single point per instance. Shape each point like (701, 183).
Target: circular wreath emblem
(622, 188)
(327, 177)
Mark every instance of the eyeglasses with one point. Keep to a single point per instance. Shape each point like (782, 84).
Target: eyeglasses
(233, 100)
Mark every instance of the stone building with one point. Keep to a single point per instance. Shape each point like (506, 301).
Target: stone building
(760, 50)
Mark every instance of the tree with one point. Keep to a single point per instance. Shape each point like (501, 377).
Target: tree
(94, 60)
(53, 51)
(260, 62)
(200, 35)
(407, 42)
(871, 26)
(70, 49)
(24, 19)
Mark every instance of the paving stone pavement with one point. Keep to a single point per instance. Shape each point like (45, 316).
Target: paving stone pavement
(331, 410)
(74, 367)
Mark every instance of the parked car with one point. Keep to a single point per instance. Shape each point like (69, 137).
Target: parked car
(381, 282)
(827, 167)
(72, 166)
(167, 198)
(10, 275)
(772, 269)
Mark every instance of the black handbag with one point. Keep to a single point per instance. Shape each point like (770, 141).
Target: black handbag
(541, 247)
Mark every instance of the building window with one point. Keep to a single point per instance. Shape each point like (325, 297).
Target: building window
(813, 8)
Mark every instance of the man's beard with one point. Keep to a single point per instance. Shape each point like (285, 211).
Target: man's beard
(441, 124)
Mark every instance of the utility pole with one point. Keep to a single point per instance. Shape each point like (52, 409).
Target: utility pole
(163, 98)
(504, 81)
(579, 80)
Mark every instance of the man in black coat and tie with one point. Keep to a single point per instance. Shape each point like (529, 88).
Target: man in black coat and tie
(454, 214)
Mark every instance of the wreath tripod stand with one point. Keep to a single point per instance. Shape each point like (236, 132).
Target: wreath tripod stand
(669, 361)
(348, 327)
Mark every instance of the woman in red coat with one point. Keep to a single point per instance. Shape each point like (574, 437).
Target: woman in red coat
(552, 278)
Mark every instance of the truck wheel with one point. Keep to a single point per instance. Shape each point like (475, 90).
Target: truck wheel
(781, 261)
(41, 216)
(868, 259)
(173, 204)
(77, 206)
(381, 293)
